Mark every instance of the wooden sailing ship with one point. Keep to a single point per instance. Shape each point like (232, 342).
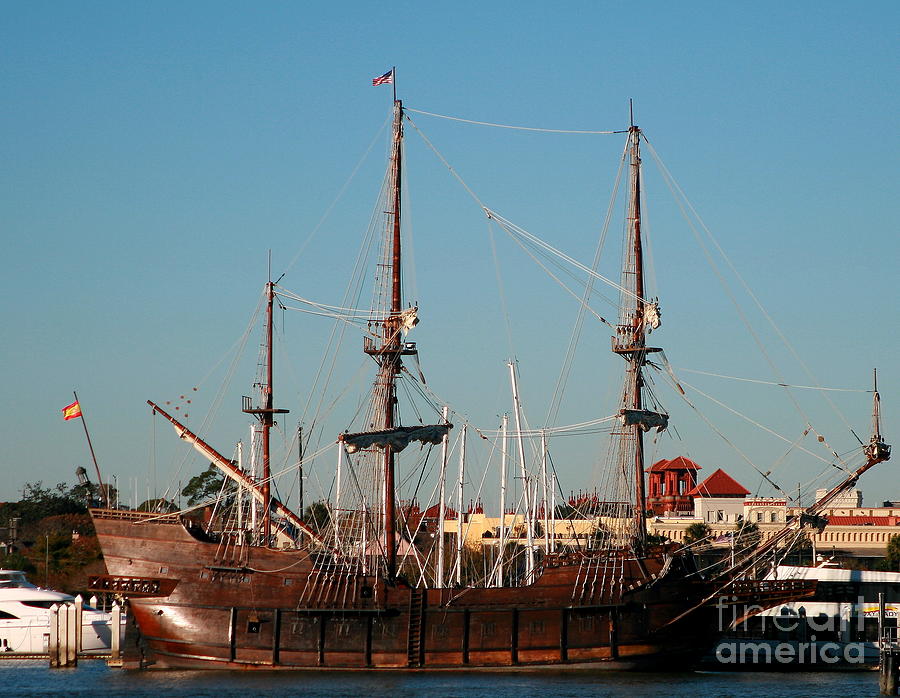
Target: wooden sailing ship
(289, 597)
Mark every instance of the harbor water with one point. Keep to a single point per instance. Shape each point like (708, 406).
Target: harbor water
(93, 678)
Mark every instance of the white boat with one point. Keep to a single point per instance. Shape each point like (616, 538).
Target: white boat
(837, 628)
(25, 611)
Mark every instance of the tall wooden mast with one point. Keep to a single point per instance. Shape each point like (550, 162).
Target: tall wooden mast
(639, 336)
(266, 415)
(630, 343)
(392, 346)
(391, 349)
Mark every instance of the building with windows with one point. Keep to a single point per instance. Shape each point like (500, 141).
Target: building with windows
(719, 499)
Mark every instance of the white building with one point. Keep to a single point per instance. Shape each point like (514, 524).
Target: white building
(719, 499)
(850, 499)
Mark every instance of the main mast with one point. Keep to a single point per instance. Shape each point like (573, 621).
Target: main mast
(391, 349)
(388, 348)
(391, 359)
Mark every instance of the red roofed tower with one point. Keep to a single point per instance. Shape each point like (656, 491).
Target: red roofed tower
(669, 485)
(719, 484)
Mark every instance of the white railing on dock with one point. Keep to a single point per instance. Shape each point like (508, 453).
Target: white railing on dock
(66, 634)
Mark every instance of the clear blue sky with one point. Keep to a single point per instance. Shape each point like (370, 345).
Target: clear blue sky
(151, 154)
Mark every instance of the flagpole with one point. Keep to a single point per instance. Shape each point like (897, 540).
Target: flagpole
(394, 80)
(103, 491)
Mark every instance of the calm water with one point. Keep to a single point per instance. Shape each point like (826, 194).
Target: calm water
(21, 678)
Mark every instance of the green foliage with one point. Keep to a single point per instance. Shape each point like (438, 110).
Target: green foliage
(695, 532)
(891, 561)
(204, 486)
(17, 561)
(38, 502)
(65, 524)
(566, 511)
(317, 516)
(158, 506)
(55, 537)
(653, 539)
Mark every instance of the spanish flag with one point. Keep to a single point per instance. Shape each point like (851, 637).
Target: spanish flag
(71, 411)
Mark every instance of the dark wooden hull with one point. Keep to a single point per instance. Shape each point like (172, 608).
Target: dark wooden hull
(204, 604)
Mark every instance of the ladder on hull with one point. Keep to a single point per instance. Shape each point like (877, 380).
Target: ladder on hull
(415, 647)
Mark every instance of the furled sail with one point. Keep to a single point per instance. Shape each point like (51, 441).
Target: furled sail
(652, 316)
(409, 318)
(397, 438)
(644, 419)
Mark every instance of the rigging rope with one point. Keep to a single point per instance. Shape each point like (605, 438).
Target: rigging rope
(782, 385)
(337, 198)
(743, 455)
(515, 128)
(517, 230)
(569, 358)
(684, 206)
(755, 423)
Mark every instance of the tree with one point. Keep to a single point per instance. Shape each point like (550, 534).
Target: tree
(317, 516)
(39, 502)
(204, 486)
(695, 532)
(17, 561)
(158, 506)
(566, 511)
(892, 555)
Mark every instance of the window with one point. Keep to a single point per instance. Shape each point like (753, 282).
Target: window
(759, 516)
(773, 517)
(39, 604)
(7, 616)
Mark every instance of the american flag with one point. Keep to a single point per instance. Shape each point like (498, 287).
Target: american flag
(386, 79)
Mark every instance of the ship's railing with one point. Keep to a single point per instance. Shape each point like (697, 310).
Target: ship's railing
(750, 588)
(135, 516)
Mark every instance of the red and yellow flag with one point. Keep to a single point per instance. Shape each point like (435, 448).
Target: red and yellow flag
(72, 411)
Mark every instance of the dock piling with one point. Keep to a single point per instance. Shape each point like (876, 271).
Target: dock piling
(115, 645)
(889, 650)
